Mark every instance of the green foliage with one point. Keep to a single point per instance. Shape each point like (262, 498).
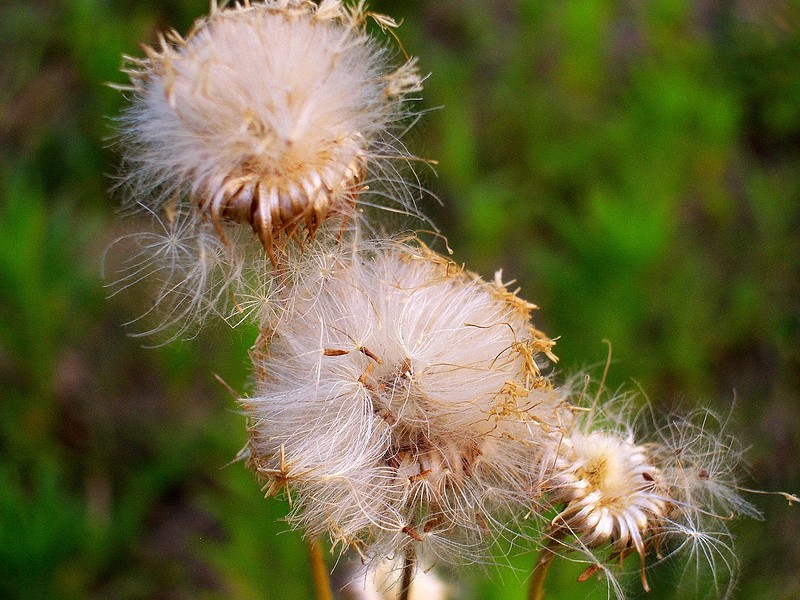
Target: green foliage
(44, 528)
(634, 165)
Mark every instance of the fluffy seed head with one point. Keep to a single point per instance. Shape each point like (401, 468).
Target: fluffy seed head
(609, 488)
(397, 403)
(268, 113)
(624, 485)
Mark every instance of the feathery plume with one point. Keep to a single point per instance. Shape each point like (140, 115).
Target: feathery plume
(274, 114)
(623, 486)
(192, 273)
(399, 404)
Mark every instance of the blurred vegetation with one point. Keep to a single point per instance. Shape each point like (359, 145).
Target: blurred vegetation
(635, 166)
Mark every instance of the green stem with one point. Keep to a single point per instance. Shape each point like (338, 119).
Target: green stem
(539, 574)
(322, 583)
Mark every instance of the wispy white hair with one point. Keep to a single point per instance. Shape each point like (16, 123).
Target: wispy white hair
(274, 114)
(399, 404)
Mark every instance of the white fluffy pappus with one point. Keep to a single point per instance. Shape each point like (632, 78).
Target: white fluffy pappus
(399, 405)
(626, 484)
(275, 114)
(702, 464)
(383, 582)
(189, 271)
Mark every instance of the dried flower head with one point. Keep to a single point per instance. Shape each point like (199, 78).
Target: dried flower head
(399, 403)
(608, 487)
(270, 114)
(622, 486)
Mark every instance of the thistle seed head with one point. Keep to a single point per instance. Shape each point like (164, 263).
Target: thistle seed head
(610, 489)
(270, 114)
(624, 483)
(396, 404)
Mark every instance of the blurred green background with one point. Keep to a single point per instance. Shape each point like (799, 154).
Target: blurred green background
(634, 165)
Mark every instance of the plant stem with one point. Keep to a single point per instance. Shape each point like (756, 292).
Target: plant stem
(408, 575)
(539, 574)
(322, 583)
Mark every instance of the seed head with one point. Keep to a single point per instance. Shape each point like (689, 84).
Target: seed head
(624, 485)
(609, 488)
(396, 404)
(272, 114)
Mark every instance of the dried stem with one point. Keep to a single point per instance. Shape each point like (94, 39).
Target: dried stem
(408, 574)
(322, 583)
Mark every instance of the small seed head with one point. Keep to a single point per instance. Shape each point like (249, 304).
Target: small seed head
(610, 489)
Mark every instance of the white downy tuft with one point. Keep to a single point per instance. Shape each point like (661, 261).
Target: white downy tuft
(400, 404)
(276, 114)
